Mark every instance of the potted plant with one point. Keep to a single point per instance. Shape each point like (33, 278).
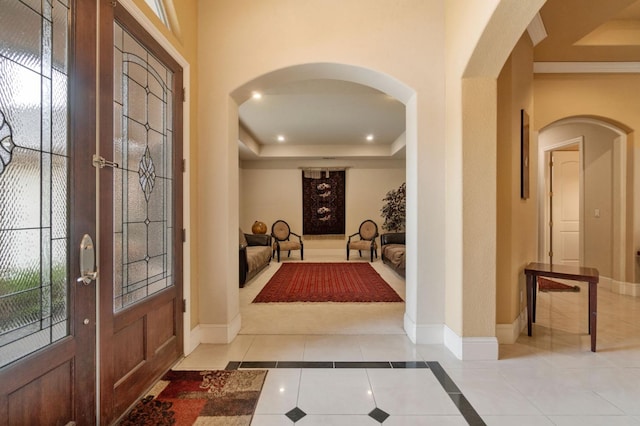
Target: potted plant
(394, 209)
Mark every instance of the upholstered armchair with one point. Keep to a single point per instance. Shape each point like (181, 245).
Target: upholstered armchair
(367, 235)
(283, 241)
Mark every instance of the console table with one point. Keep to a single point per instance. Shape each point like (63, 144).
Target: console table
(576, 273)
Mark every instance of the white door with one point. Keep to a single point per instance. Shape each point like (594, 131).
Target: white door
(565, 210)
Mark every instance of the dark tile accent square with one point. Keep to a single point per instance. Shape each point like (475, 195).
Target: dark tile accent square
(363, 364)
(232, 365)
(444, 379)
(295, 414)
(468, 412)
(305, 364)
(378, 415)
(409, 364)
(258, 364)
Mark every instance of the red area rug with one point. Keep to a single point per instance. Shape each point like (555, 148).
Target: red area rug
(222, 397)
(327, 282)
(545, 284)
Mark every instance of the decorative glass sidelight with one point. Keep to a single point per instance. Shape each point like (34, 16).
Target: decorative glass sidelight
(34, 174)
(143, 185)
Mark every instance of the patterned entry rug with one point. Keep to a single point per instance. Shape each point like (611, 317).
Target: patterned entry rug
(221, 397)
(327, 282)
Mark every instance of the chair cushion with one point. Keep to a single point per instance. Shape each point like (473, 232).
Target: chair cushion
(368, 230)
(361, 245)
(289, 245)
(280, 230)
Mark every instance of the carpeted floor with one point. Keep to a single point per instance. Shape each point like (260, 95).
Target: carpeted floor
(327, 282)
(217, 397)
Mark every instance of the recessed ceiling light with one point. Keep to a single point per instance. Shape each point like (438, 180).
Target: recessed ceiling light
(369, 138)
(256, 95)
(280, 138)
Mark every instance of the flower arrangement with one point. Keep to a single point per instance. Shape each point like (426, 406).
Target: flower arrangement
(394, 209)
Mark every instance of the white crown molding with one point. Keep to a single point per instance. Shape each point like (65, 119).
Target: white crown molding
(537, 31)
(585, 67)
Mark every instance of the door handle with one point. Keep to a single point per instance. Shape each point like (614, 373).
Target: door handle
(88, 271)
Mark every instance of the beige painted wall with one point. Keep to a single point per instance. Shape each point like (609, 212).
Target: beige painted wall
(243, 40)
(516, 218)
(271, 194)
(609, 97)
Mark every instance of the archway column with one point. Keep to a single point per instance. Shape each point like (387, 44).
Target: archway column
(218, 226)
(476, 57)
(469, 330)
(425, 169)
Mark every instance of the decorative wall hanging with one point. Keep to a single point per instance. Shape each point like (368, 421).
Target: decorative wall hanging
(323, 202)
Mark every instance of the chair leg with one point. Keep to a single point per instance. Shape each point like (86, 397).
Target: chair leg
(289, 253)
(278, 254)
(347, 252)
(301, 253)
(372, 254)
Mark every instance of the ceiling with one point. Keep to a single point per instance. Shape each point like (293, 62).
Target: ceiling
(322, 118)
(331, 119)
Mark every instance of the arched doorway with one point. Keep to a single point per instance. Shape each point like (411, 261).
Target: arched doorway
(393, 89)
(603, 207)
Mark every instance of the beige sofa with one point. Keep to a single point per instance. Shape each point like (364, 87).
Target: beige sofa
(255, 255)
(393, 251)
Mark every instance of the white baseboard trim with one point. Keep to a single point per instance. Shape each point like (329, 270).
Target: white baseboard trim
(193, 340)
(217, 333)
(471, 348)
(507, 334)
(619, 287)
(410, 328)
(628, 289)
(428, 334)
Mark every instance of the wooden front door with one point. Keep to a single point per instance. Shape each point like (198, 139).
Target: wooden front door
(47, 204)
(141, 305)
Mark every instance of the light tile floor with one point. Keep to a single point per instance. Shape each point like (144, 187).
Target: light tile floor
(551, 378)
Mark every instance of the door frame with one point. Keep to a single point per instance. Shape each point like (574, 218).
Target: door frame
(190, 339)
(546, 206)
(133, 383)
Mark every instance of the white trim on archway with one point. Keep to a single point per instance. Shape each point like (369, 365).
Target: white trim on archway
(394, 88)
(620, 257)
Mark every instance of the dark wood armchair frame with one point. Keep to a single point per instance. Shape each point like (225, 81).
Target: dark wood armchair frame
(288, 238)
(373, 247)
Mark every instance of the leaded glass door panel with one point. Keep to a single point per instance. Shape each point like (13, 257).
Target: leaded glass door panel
(140, 212)
(47, 119)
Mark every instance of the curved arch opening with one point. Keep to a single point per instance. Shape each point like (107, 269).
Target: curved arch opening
(599, 145)
(353, 74)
